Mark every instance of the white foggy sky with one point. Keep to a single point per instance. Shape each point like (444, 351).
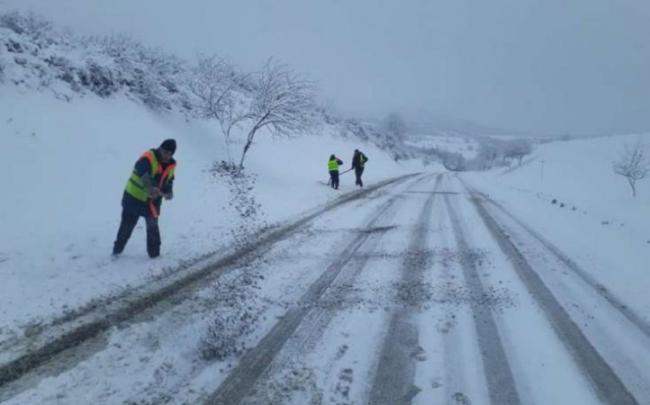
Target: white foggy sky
(535, 65)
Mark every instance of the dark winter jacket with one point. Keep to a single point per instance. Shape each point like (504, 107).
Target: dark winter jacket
(359, 160)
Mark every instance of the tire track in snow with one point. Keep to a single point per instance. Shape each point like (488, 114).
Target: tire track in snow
(601, 290)
(52, 347)
(317, 320)
(458, 380)
(393, 381)
(500, 381)
(255, 362)
(315, 323)
(615, 301)
(606, 383)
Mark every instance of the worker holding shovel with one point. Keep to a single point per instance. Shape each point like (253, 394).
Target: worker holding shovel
(151, 180)
(333, 167)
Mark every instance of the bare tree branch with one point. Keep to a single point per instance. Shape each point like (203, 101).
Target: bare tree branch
(633, 164)
(219, 89)
(282, 102)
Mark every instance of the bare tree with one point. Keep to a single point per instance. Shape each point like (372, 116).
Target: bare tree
(488, 153)
(282, 102)
(517, 149)
(633, 164)
(217, 85)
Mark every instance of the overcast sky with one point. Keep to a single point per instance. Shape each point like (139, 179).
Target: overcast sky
(537, 65)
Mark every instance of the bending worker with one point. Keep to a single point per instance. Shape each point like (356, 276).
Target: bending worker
(151, 180)
(333, 167)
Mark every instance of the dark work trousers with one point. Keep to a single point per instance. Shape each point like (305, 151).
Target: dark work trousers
(334, 175)
(129, 220)
(358, 171)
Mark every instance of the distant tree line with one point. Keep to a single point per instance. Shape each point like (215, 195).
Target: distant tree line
(491, 153)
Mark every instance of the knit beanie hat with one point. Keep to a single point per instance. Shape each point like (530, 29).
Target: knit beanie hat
(169, 144)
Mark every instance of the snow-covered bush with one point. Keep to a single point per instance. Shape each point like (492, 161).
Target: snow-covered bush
(495, 152)
(38, 56)
(98, 79)
(454, 162)
(517, 149)
(36, 28)
(147, 73)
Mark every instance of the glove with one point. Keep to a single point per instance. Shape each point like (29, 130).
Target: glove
(154, 193)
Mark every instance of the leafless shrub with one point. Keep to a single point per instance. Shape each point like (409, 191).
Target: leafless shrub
(633, 164)
(455, 162)
(281, 102)
(219, 88)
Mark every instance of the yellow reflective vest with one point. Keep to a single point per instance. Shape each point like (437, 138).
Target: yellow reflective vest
(135, 186)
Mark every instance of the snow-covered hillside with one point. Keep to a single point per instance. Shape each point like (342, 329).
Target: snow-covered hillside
(76, 113)
(36, 55)
(68, 162)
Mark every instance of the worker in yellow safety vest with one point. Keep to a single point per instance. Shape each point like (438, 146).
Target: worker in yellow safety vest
(333, 167)
(152, 180)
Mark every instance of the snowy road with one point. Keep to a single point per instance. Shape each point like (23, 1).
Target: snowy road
(422, 292)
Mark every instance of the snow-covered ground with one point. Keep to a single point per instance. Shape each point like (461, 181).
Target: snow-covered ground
(383, 293)
(272, 288)
(568, 192)
(66, 167)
